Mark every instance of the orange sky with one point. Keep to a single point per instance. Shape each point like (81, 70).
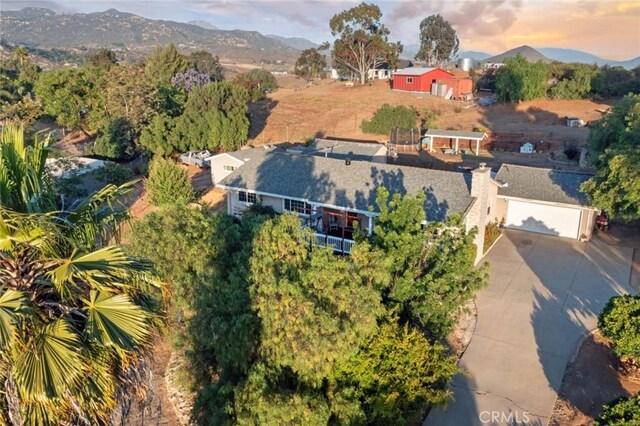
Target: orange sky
(609, 29)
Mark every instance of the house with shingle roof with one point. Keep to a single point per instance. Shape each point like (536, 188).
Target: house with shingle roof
(332, 188)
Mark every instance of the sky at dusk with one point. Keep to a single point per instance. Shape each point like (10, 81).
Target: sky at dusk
(607, 28)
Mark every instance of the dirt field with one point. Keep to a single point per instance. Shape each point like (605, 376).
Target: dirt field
(591, 380)
(296, 112)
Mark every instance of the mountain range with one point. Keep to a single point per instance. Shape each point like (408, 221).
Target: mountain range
(134, 36)
(298, 43)
(546, 54)
(549, 54)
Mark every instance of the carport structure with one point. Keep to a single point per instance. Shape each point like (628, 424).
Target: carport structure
(456, 135)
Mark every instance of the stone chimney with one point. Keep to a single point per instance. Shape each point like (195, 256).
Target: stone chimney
(479, 212)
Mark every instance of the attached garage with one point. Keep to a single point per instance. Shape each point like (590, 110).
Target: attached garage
(544, 219)
(546, 201)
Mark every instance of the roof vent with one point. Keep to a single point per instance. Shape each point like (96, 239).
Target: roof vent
(347, 161)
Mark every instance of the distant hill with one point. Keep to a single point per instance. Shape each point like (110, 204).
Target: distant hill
(571, 55)
(203, 24)
(531, 54)
(134, 36)
(297, 43)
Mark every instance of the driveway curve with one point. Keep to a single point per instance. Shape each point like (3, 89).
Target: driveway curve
(544, 294)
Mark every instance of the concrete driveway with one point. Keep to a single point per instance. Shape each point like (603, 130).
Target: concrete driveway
(545, 293)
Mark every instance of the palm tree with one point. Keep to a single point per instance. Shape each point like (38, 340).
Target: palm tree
(75, 314)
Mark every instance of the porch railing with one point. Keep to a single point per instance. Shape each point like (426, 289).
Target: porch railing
(340, 245)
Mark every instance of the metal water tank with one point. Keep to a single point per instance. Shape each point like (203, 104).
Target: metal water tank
(465, 64)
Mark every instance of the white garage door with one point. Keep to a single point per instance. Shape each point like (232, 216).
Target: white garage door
(562, 221)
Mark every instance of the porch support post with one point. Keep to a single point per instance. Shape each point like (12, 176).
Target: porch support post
(457, 145)
(478, 147)
(370, 227)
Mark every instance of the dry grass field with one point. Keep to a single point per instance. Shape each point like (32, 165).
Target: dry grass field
(296, 112)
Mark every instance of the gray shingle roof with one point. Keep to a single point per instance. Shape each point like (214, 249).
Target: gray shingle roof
(455, 134)
(550, 185)
(343, 149)
(331, 181)
(248, 154)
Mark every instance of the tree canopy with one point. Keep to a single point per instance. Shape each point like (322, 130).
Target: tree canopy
(204, 62)
(362, 41)
(164, 63)
(311, 64)
(438, 41)
(521, 80)
(615, 187)
(103, 58)
(279, 332)
(72, 97)
(257, 82)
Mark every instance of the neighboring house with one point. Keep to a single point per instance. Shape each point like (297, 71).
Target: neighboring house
(384, 71)
(544, 200)
(492, 65)
(335, 196)
(417, 79)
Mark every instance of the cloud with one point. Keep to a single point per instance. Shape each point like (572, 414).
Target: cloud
(412, 9)
(484, 18)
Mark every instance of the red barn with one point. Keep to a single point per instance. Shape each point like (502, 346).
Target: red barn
(459, 86)
(417, 79)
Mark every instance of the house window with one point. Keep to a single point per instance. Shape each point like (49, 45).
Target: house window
(247, 197)
(228, 167)
(297, 206)
(409, 79)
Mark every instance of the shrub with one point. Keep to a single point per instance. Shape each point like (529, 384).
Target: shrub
(388, 117)
(258, 83)
(571, 151)
(113, 173)
(429, 117)
(621, 412)
(620, 322)
(167, 184)
(491, 234)
(116, 141)
(259, 209)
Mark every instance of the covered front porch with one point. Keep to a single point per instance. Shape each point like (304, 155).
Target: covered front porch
(336, 228)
